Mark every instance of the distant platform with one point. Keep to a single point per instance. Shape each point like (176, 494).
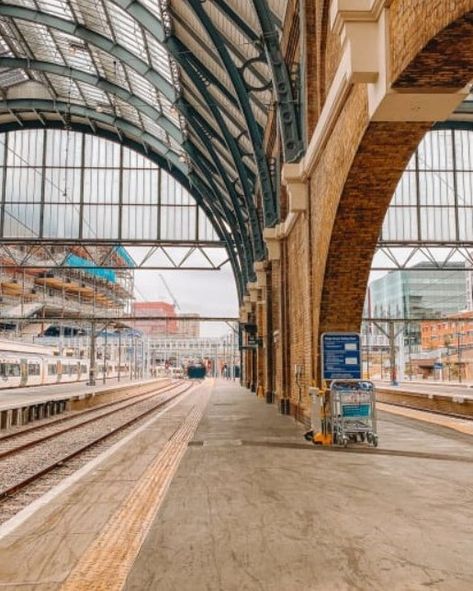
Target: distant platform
(16, 397)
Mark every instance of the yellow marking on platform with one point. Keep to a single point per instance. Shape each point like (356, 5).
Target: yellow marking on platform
(106, 563)
(461, 425)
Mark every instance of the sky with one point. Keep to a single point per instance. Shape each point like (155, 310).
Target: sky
(208, 293)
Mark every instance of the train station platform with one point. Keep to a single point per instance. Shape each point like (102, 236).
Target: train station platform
(436, 397)
(14, 397)
(19, 406)
(221, 493)
(429, 387)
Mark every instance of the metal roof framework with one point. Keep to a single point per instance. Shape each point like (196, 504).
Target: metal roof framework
(428, 223)
(188, 83)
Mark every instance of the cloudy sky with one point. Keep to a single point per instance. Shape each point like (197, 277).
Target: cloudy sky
(208, 293)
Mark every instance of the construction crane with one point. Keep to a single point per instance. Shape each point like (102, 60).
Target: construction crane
(171, 295)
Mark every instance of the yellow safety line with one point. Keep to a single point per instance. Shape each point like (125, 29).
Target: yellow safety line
(461, 425)
(106, 563)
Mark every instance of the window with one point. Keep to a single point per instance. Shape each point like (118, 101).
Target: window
(10, 370)
(33, 369)
(52, 369)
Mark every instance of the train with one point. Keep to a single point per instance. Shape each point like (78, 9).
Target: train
(29, 365)
(196, 371)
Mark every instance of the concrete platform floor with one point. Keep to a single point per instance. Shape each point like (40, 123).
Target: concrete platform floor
(15, 397)
(253, 507)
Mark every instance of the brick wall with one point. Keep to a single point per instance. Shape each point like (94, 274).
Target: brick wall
(320, 282)
(299, 308)
(378, 165)
(417, 59)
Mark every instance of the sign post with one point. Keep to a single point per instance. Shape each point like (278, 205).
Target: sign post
(341, 356)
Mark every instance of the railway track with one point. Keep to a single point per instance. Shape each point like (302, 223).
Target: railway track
(9, 442)
(27, 463)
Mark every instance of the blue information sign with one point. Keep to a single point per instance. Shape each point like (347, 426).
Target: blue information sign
(341, 356)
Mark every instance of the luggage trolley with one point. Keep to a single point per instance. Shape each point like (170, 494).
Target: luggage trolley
(353, 412)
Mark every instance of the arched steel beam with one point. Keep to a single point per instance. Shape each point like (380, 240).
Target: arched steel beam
(98, 82)
(100, 41)
(141, 67)
(114, 89)
(293, 145)
(270, 205)
(191, 183)
(41, 105)
(147, 19)
(176, 48)
(233, 196)
(241, 237)
(110, 120)
(237, 262)
(108, 46)
(211, 78)
(200, 101)
(258, 246)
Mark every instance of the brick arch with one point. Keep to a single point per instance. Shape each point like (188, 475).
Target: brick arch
(430, 43)
(442, 61)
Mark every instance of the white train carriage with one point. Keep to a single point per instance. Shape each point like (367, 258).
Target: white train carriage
(23, 364)
(16, 371)
(61, 370)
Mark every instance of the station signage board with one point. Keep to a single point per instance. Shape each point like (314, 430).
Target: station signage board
(252, 340)
(341, 356)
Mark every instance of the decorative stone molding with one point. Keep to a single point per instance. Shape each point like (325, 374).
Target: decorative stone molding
(343, 11)
(247, 304)
(297, 187)
(271, 237)
(363, 26)
(260, 270)
(254, 292)
(408, 106)
(364, 34)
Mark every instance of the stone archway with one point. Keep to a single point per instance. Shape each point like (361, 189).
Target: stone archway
(428, 79)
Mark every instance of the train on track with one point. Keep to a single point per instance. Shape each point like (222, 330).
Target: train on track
(29, 365)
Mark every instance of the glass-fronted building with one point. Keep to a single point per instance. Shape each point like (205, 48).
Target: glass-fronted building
(418, 293)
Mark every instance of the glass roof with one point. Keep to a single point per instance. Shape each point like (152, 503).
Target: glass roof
(189, 82)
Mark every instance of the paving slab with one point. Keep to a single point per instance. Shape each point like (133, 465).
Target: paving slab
(243, 514)
(253, 506)
(42, 551)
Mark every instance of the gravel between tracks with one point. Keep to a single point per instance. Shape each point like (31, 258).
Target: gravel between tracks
(36, 432)
(15, 468)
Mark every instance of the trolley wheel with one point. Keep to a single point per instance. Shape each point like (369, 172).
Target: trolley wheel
(375, 441)
(309, 435)
(362, 437)
(369, 437)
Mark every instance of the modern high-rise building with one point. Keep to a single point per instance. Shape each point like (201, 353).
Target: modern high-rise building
(418, 293)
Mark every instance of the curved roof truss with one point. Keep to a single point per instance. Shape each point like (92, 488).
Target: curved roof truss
(190, 83)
